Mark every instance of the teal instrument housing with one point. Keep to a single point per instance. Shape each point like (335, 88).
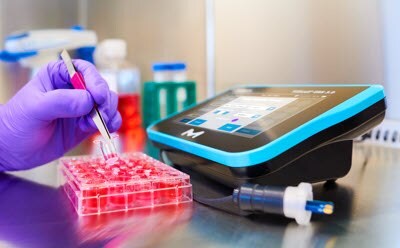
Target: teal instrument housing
(311, 143)
(366, 98)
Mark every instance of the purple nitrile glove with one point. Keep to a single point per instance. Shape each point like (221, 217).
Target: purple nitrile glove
(47, 117)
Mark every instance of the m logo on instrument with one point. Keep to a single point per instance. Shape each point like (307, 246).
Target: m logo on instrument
(191, 133)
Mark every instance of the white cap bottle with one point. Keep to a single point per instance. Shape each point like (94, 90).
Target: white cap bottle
(110, 58)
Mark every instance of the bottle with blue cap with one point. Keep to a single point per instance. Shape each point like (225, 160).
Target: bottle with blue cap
(169, 72)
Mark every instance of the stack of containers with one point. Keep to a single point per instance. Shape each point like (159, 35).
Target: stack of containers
(168, 93)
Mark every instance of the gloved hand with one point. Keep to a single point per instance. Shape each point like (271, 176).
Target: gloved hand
(47, 117)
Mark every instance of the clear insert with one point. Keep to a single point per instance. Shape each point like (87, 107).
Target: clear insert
(107, 147)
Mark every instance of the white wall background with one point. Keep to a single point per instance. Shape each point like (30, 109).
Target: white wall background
(257, 41)
(390, 10)
(156, 30)
(287, 41)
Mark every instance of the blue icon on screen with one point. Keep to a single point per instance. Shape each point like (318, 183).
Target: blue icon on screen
(248, 131)
(271, 108)
(197, 122)
(228, 127)
(185, 120)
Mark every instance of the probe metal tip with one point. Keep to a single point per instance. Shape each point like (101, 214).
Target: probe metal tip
(320, 207)
(68, 62)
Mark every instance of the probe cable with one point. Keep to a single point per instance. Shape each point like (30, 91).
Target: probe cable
(292, 201)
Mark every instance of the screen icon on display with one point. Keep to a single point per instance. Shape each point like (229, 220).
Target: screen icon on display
(228, 127)
(216, 112)
(221, 112)
(197, 122)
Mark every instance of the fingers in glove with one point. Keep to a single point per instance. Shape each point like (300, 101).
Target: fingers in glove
(115, 122)
(110, 106)
(95, 84)
(86, 124)
(63, 103)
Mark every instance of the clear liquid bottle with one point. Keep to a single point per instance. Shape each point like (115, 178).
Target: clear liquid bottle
(123, 78)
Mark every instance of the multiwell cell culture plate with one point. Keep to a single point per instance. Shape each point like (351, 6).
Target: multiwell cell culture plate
(129, 181)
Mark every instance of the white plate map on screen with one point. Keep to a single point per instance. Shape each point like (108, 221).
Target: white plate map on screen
(249, 115)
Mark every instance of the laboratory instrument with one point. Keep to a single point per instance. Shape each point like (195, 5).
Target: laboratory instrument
(281, 134)
(78, 82)
(254, 138)
(97, 185)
